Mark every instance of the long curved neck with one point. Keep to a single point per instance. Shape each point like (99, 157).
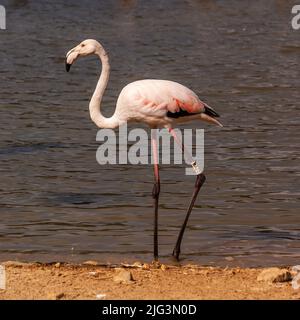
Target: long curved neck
(95, 103)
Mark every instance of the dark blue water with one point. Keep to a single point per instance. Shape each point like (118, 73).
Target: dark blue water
(58, 203)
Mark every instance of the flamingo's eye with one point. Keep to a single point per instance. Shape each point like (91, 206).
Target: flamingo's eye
(83, 45)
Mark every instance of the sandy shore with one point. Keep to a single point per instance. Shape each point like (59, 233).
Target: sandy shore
(140, 281)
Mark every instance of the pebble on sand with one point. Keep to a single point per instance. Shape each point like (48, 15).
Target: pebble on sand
(123, 276)
(146, 266)
(100, 296)
(163, 267)
(274, 275)
(90, 263)
(56, 296)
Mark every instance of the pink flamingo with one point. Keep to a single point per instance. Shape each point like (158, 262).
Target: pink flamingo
(158, 103)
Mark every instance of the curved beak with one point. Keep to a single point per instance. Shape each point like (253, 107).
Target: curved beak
(70, 58)
(207, 118)
(68, 66)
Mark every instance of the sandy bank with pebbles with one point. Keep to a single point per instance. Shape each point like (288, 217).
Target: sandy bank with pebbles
(143, 281)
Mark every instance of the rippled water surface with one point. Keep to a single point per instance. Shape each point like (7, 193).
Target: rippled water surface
(58, 203)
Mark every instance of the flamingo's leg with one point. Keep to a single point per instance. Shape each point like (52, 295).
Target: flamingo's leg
(156, 190)
(198, 184)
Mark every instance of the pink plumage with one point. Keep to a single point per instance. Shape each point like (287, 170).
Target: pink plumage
(161, 102)
(170, 95)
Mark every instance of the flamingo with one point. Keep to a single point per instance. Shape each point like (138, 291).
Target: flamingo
(159, 104)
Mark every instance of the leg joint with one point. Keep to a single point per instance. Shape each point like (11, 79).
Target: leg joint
(156, 189)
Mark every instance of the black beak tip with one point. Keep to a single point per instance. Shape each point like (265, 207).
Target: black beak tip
(68, 67)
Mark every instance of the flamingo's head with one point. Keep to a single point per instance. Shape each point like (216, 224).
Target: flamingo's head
(85, 48)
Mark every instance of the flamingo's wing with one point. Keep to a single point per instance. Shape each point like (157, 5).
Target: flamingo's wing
(166, 98)
(171, 96)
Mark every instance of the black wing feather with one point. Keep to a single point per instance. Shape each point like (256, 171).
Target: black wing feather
(179, 114)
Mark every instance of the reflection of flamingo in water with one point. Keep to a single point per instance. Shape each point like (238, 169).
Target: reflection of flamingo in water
(158, 103)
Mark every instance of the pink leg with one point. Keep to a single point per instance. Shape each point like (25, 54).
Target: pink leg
(181, 145)
(156, 190)
(186, 153)
(199, 182)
